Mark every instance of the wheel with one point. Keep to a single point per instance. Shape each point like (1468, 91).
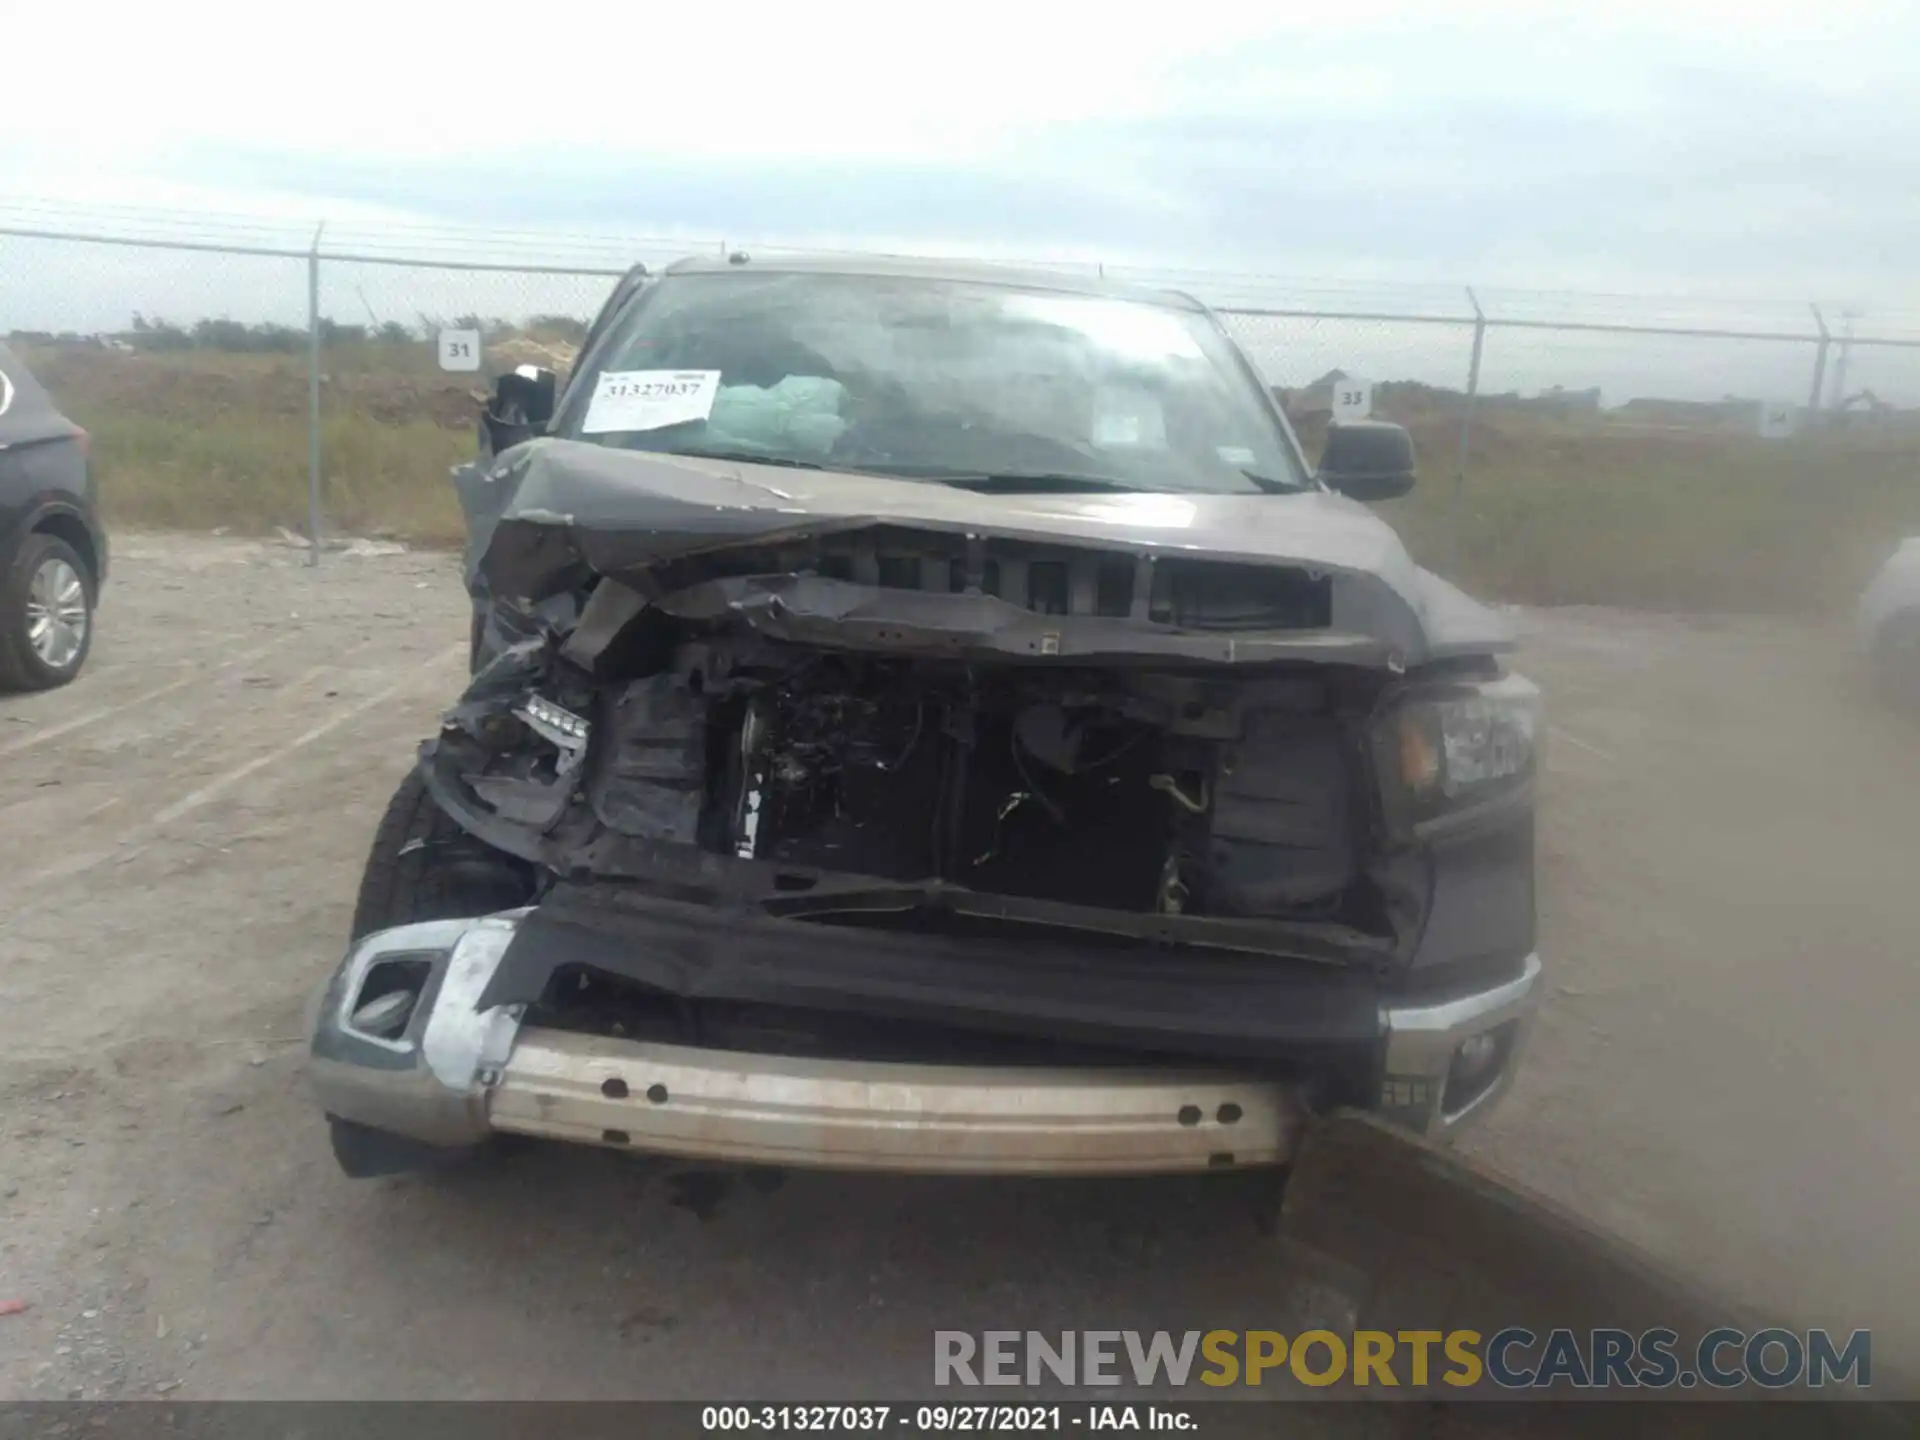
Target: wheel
(422, 866)
(364, 1153)
(1896, 659)
(46, 615)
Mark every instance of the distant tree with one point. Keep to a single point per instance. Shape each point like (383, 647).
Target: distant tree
(159, 334)
(277, 339)
(332, 332)
(221, 335)
(394, 333)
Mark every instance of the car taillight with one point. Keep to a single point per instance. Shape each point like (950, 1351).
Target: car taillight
(84, 441)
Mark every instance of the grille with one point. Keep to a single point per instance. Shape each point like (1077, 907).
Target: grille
(1073, 581)
(1046, 579)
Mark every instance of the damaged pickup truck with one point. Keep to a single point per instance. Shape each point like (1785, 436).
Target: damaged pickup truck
(934, 718)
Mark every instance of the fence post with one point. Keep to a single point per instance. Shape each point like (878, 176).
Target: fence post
(1819, 363)
(313, 397)
(1466, 426)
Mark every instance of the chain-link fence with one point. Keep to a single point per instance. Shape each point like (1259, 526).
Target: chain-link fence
(327, 386)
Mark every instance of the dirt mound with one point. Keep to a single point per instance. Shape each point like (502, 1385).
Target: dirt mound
(395, 402)
(523, 350)
(208, 389)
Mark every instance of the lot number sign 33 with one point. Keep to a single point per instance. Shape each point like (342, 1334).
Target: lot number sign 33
(1352, 399)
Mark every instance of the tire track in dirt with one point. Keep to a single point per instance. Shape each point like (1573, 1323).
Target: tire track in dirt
(134, 702)
(137, 838)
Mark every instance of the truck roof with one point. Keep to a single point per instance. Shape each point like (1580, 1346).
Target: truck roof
(1025, 277)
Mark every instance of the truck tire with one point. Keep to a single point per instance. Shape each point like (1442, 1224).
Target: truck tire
(422, 866)
(364, 1153)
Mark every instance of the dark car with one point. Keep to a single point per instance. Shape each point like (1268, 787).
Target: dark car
(929, 718)
(53, 553)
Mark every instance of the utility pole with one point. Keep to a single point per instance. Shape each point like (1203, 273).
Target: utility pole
(1840, 365)
(1466, 424)
(313, 396)
(1819, 365)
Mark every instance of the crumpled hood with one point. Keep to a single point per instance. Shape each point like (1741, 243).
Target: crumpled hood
(549, 506)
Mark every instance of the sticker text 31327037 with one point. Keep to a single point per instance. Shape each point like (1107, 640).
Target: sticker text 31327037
(626, 400)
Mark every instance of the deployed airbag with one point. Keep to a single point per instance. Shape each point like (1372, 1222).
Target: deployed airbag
(801, 413)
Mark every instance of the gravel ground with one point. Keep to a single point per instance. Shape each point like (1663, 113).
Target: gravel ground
(1725, 914)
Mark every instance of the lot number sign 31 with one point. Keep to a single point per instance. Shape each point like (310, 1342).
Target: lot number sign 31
(459, 349)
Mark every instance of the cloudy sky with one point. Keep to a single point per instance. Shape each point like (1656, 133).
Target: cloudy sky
(1750, 156)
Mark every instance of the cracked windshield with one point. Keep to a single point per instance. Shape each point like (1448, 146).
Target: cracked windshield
(924, 378)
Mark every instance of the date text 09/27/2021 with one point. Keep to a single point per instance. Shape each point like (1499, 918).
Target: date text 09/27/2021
(942, 1418)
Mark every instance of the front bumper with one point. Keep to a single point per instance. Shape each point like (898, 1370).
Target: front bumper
(1426, 1086)
(456, 1073)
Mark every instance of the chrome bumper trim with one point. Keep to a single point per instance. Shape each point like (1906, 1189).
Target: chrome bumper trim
(1422, 1041)
(430, 1083)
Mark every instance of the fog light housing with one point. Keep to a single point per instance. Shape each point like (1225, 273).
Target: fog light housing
(1476, 1054)
(1477, 1063)
(386, 1017)
(388, 996)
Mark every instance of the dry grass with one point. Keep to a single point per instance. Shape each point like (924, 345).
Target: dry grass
(1574, 510)
(197, 441)
(1586, 511)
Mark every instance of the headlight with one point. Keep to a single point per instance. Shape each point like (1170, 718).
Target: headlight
(558, 726)
(1451, 747)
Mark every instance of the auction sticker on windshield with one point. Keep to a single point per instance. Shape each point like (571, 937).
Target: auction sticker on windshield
(650, 399)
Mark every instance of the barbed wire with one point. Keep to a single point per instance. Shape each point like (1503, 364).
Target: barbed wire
(557, 250)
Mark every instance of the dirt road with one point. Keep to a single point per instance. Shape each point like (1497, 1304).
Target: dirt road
(1728, 889)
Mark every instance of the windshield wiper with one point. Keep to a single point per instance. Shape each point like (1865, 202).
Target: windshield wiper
(1272, 486)
(1024, 482)
(1029, 482)
(997, 482)
(745, 457)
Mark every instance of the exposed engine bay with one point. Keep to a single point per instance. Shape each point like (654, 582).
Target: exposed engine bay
(1133, 792)
(927, 793)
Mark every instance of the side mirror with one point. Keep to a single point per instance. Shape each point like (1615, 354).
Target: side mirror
(521, 407)
(1368, 460)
